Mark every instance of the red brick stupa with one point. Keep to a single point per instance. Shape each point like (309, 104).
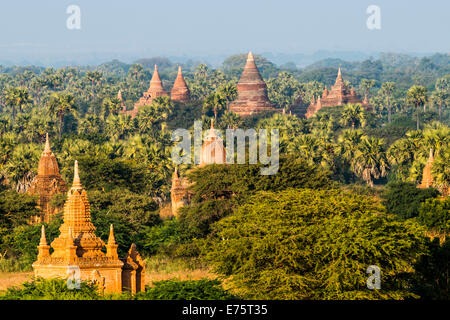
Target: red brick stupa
(252, 91)
(337, 96)
(180, 91)
(47, 183)
(427, 178)
(155, 90)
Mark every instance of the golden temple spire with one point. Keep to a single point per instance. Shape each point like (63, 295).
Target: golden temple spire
(47, 144)
(431, 157)
(43, 241)
(111, 239)
(76, 177)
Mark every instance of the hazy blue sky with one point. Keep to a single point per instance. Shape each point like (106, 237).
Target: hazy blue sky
(209, 27)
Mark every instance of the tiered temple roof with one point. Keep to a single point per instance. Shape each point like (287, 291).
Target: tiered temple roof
(338, 95)
(180, 90)
(427, 178)
(47, 183)
(252, 91)
(78, 250)
(155, 90)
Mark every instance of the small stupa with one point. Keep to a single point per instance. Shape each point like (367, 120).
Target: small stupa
(179, 192)
(47, 183)
(252, 91)
(427, 177)
(180, 90)
(77, 251)
(212, 150)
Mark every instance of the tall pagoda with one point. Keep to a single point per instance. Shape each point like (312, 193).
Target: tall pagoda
(252, 91)
(155, 90)
(47, 183)
(338, 95)
(77, 251)
(180, 90)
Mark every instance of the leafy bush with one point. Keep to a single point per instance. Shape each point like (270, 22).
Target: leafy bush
(313, 244)
(435, 215)
(161, 235)
(51, 289)
(21, 243)
(404, 199)
(203, 289)
(432, 279)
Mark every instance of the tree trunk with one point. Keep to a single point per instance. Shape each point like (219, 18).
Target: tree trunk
(418, 124)
(93, 92)
(61, 118)
(389, 110)
(440, 111)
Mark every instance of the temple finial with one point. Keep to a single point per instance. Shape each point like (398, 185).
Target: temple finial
(431, 158)
(250, 56)
(43, 241)
(212, 123)
(76, 177)
(111, 239)
(47, 144)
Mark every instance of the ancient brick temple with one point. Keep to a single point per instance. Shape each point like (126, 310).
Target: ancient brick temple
(155, 90)
(337, 96)
(212, 150)
(179, 193)
(180, 90)
(77, 252)
(252, 91)
(427, 178)
(47, 183)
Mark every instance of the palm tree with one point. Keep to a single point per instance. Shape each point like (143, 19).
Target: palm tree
(216, 102)
(118, 127)
(111, 106)
(417, 96)
(366, 85)
(441, 171)
(229, 92)
(230, 120)
(442, 93)
(16, 97)
(349, 141)
(94, 77)
(353, 114)
(60, 104)
(370, 160)
(21, 167)
(386, 89)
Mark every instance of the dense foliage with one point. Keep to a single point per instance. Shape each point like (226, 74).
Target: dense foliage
(293, 234)
(313, 244)
(404, 199)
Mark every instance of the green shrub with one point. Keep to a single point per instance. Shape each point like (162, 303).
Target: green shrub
(313, 244)
(404, 199)
(435, 215)
(51, 289)
(203, 289)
